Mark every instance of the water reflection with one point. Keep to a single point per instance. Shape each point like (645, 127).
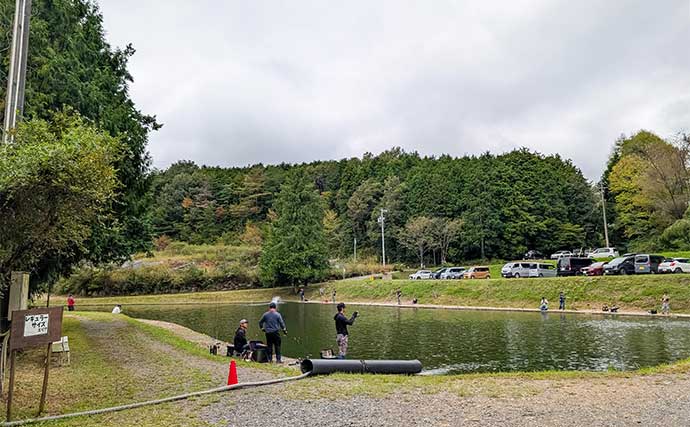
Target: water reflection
(450, 341)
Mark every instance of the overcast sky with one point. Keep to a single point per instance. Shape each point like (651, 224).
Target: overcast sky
(242, 82)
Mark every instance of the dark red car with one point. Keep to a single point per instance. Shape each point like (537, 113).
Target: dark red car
(596, 269)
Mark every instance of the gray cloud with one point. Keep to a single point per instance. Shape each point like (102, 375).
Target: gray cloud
(239, 82)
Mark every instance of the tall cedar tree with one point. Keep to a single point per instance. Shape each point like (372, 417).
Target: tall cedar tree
(295, 250)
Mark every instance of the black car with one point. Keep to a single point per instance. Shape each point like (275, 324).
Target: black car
(437, 274)
(572, 266)
(621, 265)
(533, 255)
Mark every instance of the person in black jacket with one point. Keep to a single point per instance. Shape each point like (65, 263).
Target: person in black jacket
(341, 323)
(240, 341)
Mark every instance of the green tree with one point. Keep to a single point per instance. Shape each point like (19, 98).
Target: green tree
(332, 227)
(418, 236)
(70, 64)
(295, 250)
(56, 182)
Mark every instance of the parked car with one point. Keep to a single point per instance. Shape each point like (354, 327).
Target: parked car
(596, 269)
(516, 269)
(561, 254)
(453, 273)
(582, 252)
(542, 270)
(437, 273)
(647, 264)
(572, 266)
(422, 274)
(675, 265)
(604, 253)
(621, 265)
(477, 272)
(533, 255)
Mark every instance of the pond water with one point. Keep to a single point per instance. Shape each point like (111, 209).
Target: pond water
(454, 341)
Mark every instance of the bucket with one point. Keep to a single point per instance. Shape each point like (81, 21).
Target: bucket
(260, 355)
(327, 353)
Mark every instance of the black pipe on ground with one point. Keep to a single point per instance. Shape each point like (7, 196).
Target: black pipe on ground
(330, 366)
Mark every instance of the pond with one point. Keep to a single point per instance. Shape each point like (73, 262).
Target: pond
(454, 341)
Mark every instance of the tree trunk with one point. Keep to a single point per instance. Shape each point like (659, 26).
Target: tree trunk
(482, 243)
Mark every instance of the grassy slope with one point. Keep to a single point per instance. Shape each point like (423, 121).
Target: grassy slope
(629, 292)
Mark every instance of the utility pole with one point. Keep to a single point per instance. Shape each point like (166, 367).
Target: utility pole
(355, 253)
(382, 221)
(603, 210)
(16, 79)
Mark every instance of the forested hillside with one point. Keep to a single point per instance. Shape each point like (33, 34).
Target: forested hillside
(494, 206)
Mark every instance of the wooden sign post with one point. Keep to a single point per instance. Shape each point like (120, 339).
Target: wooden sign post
(31, 328)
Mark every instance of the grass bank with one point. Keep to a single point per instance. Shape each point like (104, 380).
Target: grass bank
(118, 360)
(631, 293)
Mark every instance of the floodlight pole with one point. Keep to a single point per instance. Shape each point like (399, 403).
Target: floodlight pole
(382, 221)
(603, 210)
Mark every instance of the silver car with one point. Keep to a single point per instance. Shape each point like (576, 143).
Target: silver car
(453, 273)
(422, 274)
(516, 269)
(542, 270)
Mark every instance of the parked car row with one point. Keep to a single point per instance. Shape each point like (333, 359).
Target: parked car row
(623, 265)
(581, 253)
(567, 266)
(476, 272)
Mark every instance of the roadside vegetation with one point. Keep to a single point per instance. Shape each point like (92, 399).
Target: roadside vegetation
(181, 267)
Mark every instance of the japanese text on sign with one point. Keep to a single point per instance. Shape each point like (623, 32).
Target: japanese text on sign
(35, 324)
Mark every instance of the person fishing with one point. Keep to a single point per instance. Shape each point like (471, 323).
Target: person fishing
(272, 323)
(665, 304)
(240, 341)
(341, 323)
(544, 304)
(561, 301)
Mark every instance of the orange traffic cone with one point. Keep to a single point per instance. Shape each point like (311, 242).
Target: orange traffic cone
(232, 374)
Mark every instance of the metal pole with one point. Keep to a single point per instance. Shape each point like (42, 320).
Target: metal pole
(382, 220)
(16, 79)
(603, 209)
(355, 253)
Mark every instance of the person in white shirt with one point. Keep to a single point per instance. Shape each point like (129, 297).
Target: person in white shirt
(117, 309)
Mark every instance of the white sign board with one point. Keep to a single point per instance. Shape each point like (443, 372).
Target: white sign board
(35, 324)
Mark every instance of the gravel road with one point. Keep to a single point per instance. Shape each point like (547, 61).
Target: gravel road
(650, 400)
